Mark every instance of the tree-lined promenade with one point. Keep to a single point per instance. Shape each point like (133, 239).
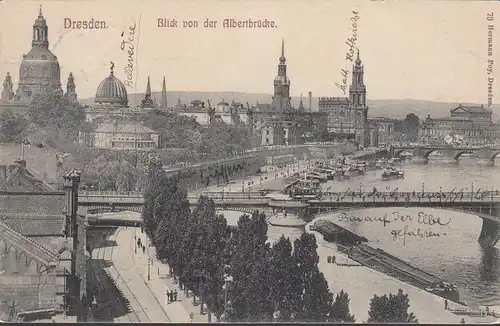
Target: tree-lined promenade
(238, 275)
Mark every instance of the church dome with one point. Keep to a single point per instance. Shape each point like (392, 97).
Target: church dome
(111, 91)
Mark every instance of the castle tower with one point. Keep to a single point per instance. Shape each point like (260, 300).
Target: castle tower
(71, 89)
(281, 97)
(147, 102)
(357, 89)
(7, 91)
(163, 101)
(39, 70)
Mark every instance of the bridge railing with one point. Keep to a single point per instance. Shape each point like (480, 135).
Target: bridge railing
(110, 194)
(439, 196)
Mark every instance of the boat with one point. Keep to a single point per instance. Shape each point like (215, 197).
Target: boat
(391, 173)
(325, 171)
(334, 233)
(381, 261)
(306, 189)
(340, 174)
(316, 176)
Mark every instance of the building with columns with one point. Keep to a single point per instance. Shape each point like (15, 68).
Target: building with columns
(472, 124)
(349, 115)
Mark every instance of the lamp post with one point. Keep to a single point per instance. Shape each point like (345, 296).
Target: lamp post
(149, 264)
(227, 279)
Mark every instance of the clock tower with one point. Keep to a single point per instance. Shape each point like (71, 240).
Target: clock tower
(39, 71)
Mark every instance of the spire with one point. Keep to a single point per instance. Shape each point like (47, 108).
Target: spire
(163, 101)
(282, 58)
(148, 88)
(301, 105)
(147, 102)
(358, 60)
(40, 31)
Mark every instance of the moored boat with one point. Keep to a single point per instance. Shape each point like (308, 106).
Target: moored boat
(391, 173)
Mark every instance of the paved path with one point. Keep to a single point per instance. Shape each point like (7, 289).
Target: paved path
(133, 268)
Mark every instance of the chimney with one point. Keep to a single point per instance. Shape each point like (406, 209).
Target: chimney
(310, 101)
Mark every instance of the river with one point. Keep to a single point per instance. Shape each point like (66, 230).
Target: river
(454, 255)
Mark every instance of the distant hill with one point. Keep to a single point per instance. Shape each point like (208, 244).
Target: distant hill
(390, 108)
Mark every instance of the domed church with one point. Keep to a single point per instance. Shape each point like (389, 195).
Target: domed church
(39, 70)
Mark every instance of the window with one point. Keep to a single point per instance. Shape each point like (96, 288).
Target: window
(267, 132)
(267, 140)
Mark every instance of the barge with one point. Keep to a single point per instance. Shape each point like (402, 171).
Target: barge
(333, 233)
(388, 264)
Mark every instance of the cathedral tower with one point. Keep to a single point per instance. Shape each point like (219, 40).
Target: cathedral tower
(39, 71)
(357, 89)
(163, 101)
(147, 102)
(281, 97)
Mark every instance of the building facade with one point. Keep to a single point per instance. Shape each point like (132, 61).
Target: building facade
(473, 125)
(389, 130)
(349, 114)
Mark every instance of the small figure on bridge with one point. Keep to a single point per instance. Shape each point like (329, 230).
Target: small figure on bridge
(139, 242)
(169, 296)
(143, 249)
(445, 304)
(175, 295)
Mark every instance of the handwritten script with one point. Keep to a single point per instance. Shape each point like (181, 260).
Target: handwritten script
(455, 195)
(128, 45)
(351, 42)
(421, 218)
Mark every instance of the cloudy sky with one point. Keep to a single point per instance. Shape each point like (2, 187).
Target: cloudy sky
(430, 50)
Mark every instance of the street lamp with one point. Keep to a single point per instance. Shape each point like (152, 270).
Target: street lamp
(149, 264)
(227, 279)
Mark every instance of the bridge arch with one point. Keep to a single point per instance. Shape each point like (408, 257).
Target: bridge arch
(494, 155)
(430, 151)
(462, 152)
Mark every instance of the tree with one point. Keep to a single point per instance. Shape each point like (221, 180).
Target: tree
(315, 303)
(56, 116)
(391, 309)
(411, 126)
(12, 125)
(340, 309)
(250, 293)
(283, 279)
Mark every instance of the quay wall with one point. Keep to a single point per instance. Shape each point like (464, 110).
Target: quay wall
(224, 171)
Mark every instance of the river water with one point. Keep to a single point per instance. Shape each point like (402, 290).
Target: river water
(449, 251)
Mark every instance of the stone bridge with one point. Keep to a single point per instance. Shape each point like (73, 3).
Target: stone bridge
(421, 154)
(484, 204)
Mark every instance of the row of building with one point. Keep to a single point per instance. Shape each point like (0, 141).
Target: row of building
(119, 126)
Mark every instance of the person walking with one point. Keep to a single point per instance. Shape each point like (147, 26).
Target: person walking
(175, 295)
(169, 293)
(143, 249)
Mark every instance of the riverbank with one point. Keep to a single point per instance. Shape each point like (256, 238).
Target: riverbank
(362, 283)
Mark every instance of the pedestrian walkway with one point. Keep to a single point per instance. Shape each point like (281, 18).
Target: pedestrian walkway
(152, 293)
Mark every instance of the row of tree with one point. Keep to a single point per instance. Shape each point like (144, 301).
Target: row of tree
(237, 273)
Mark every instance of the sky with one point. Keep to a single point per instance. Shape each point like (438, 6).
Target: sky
(428, 50)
